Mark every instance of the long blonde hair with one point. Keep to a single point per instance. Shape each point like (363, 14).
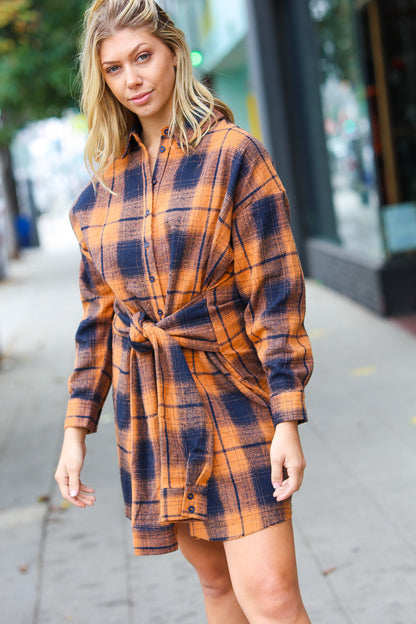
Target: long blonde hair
(108, 121)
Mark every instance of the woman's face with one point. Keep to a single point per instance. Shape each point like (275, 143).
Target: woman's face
(140, 71)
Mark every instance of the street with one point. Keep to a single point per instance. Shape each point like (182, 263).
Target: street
(355, 517)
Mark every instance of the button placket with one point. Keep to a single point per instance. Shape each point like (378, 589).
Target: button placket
(154, 284)
(162, 150)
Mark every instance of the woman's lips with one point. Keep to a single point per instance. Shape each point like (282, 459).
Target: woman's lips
(141, 98)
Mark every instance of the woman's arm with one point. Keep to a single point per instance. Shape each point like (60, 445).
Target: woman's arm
(91, 378)
(270, 281)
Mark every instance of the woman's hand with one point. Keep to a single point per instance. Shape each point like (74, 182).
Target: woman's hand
(286, 452)
(69, 469)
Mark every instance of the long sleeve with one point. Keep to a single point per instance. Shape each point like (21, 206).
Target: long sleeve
(91, 379)
(270, 280)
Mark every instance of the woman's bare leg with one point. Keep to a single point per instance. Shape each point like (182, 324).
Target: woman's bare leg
(208, 558)
(263, 572)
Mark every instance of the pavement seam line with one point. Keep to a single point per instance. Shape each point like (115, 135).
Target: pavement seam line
(43, 541)
(325, 578)
(128, 573)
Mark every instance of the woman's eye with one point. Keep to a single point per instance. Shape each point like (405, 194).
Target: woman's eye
(144, 56)
(112, 69)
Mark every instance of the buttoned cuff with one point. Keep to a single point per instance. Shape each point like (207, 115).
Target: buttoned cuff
(288, 406)
(82, 413)
(189, 503)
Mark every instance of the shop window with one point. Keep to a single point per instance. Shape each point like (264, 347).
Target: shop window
(347, 125)
(389, 28)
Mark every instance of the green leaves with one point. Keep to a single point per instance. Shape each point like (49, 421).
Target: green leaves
(38, 49)
(17, 21)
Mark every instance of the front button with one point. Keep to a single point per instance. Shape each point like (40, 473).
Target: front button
(152, 279)
(191, 509)
(160, 312)
(190, 496)
(162, 149)
(147, 213)
(146, 245)
(154, 181)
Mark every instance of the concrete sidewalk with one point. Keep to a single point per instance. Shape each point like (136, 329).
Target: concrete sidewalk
(355, 517)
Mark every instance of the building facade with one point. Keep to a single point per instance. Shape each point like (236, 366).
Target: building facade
(329, 87)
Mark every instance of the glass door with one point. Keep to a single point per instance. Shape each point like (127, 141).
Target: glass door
(347, 124)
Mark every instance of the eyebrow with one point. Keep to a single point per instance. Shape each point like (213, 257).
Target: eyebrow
(133, 51)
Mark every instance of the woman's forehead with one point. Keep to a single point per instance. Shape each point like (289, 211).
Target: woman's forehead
(125, 40)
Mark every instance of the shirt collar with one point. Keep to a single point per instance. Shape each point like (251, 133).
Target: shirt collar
(134, 141)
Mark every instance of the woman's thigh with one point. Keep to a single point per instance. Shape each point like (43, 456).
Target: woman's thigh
(262, 566)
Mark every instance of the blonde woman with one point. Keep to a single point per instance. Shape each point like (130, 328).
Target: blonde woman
(193, 302)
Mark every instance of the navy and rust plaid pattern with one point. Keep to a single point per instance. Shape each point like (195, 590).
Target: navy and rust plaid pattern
(193, 301)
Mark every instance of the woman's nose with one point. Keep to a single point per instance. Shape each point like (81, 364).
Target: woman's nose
(133, 78)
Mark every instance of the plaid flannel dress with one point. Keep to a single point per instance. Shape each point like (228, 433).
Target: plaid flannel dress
(193, 300)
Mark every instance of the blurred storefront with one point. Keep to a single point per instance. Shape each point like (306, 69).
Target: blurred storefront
(335, 98)
(46, 161)
(216, 32)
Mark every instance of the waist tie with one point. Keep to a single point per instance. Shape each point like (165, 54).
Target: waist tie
(185, 432)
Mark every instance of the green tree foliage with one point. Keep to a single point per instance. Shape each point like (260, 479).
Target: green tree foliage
(38, 49)
(335, 21)
(15, 19)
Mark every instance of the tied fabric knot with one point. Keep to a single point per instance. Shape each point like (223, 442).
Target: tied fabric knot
(140, 332)
(185, 431)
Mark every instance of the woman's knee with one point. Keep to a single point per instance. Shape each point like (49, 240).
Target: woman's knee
(275, 597)
(215, 582)
(213, 574)
(210, 563)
